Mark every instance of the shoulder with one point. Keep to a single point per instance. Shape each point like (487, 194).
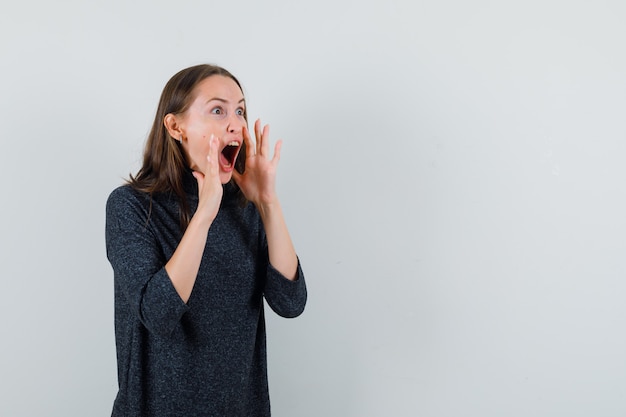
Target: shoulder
(125, 195)
(125, 202)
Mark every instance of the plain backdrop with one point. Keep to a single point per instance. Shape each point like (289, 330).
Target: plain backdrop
(452, 174)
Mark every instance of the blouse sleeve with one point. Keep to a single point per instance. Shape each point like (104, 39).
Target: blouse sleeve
(286, 297)
(139, 264)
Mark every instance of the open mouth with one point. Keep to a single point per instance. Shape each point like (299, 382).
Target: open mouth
(229, 154)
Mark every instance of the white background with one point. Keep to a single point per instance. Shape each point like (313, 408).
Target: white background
(452, 173)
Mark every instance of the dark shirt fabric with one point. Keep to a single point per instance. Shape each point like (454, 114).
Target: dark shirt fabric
(206, 357)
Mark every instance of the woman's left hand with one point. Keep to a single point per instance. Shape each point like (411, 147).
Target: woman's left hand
(258, 182)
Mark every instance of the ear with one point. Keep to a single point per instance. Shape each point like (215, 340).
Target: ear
(173, 125)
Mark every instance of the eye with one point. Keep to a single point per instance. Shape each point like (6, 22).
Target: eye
(217, 110)
(240, 112)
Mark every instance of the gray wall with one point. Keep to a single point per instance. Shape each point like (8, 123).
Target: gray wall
(452, 173)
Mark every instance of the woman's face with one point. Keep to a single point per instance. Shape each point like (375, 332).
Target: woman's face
(218, 109)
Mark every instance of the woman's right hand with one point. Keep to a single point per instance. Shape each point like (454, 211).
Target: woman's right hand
(184, 264)
(209, 185)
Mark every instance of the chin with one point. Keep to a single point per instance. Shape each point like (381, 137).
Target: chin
(225, 177)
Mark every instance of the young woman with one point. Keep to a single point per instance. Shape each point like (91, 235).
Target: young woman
(196, 240)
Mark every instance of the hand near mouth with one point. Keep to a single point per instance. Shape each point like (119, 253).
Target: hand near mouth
(258, 182)
(209, 185)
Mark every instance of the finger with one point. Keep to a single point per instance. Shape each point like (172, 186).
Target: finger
(258, 135)
(248, 141)
(212, 160)
(265, 144)
(277, 149)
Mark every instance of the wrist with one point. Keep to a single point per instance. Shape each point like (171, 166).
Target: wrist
(268, 208)
(201, 219)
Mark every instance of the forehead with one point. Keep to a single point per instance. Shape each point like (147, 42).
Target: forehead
(218, 86)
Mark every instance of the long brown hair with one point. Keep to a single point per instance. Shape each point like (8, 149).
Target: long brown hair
(164, 162)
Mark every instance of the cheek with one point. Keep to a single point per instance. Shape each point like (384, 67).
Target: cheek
(197, 150)
(201, 145)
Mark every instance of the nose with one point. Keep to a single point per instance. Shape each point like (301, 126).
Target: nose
(235, 124)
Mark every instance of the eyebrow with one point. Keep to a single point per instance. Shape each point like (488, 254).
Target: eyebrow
(243, 100)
